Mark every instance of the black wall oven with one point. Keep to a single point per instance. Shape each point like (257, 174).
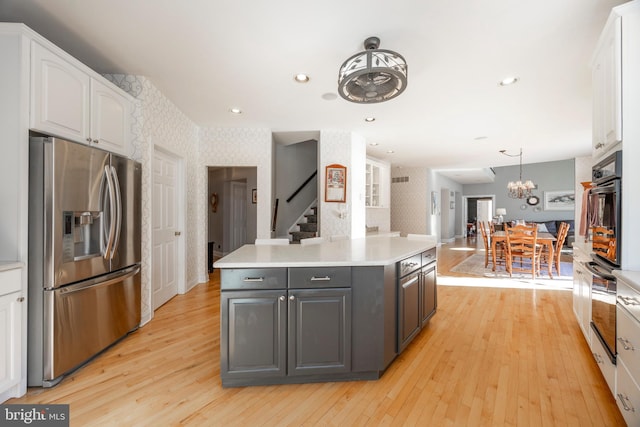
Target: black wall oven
(604, 210)
(604, 219)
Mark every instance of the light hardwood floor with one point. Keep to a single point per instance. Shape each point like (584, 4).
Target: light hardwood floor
(489, 357)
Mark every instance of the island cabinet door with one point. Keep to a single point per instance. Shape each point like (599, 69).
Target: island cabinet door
(428, 291)
(319, 331)
(253, 334)
(408, 309)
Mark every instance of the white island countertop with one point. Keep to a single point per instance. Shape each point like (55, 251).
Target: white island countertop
(631, 278)
(376, 251)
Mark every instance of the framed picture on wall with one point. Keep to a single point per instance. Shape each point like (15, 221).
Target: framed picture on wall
(335, 183)
(559, 200)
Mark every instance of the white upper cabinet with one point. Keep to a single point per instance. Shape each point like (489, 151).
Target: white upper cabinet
(59, 97)
(377, 183)
(110, 118)
(70, 103)
(607, 90)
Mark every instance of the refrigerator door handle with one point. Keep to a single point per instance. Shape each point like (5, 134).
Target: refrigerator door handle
(118, 216)
(95, 283)
(112, 210)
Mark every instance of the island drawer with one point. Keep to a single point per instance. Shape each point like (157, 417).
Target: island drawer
(428, 256)
(319, 277)
(253, 278)
(410, 264)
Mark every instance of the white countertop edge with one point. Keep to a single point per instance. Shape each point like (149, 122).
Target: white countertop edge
(631, 278)
(10, 265)
(365, 252)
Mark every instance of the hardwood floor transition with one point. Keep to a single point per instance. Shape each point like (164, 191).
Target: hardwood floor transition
(489, 357)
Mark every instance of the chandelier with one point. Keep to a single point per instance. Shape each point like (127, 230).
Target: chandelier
(519, 189)
(375, 75)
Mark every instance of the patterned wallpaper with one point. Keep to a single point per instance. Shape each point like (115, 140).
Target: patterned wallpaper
(409, 201)
(160, 124)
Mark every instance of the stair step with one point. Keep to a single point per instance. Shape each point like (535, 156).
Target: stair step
(312, 218)
(308, 226)
(297, 235)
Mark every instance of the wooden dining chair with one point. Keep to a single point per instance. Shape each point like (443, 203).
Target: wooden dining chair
(563, 230)
(522, 246)
(486, 234)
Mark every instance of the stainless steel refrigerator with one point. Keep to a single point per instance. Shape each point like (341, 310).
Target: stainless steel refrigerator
(84, 255)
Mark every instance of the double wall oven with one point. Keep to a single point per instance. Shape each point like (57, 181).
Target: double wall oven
(604, 219)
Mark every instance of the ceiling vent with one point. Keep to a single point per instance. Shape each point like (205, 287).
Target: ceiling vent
(375, 75)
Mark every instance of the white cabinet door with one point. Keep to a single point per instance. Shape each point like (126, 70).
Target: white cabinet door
(11, 339)
(59, 97)
(607, 91)
(110, 118)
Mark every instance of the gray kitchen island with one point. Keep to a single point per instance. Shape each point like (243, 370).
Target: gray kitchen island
(333, 311)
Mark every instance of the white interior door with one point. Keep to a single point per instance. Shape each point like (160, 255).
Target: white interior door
(238, 214)
(165, 233)
(484, 213)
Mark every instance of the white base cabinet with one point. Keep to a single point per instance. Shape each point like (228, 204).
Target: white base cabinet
(607, 368)
(628, 343)
(11, 360)
(628, 396)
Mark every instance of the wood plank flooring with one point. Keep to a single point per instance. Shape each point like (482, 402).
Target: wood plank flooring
(489, 357)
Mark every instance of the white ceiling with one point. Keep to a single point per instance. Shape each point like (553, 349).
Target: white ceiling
(210, 55)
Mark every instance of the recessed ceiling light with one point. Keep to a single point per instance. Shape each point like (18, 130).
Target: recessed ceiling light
(390, 151)
(301, 78)
(479, 138)
(508, 81)
(373, 144)
(329, 96)
(369, 119)
(235, 110)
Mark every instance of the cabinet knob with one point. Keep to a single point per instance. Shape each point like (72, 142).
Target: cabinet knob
(291, 298)
(88, 139)
(20, 299)
(282, 298)
(95, 141)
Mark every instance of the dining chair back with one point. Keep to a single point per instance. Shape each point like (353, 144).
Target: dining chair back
(522, 245)
(563, 231)
(485, 241)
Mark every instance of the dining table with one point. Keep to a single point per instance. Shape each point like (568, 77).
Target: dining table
(546, 239)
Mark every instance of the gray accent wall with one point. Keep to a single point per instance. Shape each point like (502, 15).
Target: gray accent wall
(549, 176)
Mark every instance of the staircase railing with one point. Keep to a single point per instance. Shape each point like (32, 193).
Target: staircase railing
(275, 216)
(295, 193)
